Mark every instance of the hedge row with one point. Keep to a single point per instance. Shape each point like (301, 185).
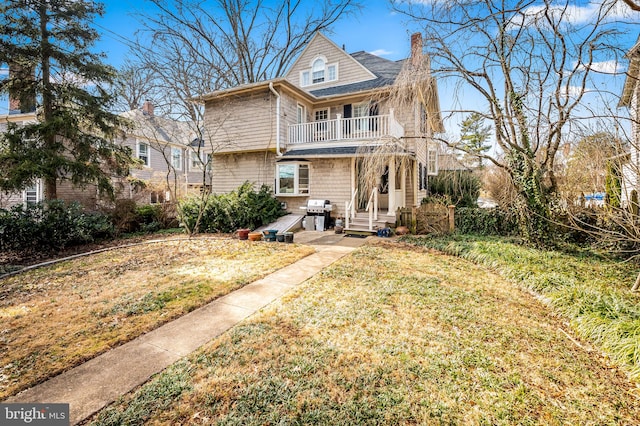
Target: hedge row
(50, 226)
(242, 208)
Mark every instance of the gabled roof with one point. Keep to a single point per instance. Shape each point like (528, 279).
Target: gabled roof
(319, 37)
(159, 129)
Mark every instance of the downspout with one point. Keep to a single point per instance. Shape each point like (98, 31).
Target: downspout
(278, 153)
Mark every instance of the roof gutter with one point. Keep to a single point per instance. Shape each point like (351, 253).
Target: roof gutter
(278, 153)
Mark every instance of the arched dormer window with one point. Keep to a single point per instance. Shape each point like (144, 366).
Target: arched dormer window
(317, 71)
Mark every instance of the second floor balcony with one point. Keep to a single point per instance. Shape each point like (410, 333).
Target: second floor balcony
(340, 129)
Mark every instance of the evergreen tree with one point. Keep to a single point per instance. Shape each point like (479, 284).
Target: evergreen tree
(474, 136)
(48, 43)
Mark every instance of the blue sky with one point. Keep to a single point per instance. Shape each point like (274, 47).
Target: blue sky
(373, 29)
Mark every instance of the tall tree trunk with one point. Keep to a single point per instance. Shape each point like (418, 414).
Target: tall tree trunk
(49, 137)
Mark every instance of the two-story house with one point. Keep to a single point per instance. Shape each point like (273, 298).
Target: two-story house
(312, 134)
(173, 160)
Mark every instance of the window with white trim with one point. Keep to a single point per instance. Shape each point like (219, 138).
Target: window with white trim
(432, 161)
(301, 114)
(176, 158)
(321, 114)
(305, 78)
(33, 193)
(292, 178)
(200, 160)
(319, 72)
(332, 71)
(142, 152)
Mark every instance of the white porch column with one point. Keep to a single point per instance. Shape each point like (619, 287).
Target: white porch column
(401, 201)
(392, 186)
(416, 184)
(338, 126)
(354, 184)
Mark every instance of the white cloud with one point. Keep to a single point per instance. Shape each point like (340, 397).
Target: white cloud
(573, 14)
(4, 71)
(575, 91)
(605, 67)
(381, 52)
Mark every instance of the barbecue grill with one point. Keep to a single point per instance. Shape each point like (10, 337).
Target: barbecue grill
(318, 214)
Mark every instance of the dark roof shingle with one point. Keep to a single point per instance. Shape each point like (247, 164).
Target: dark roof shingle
(386, 72)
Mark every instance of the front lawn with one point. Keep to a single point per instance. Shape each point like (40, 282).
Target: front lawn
(391, 334)
(590, 291)
(54, 318)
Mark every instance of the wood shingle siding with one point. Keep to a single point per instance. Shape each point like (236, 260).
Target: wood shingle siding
(349, 70)
(247, 123)
(232, 170)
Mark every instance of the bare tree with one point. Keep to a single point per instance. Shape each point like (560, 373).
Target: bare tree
(243, 41)
(134, 85)
(530, 63)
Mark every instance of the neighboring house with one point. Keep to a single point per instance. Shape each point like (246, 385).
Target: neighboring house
(630, 99)
(173, 161)
(310, 133)
(32, 194)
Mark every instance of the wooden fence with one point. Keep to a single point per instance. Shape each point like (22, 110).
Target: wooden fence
(427, 219)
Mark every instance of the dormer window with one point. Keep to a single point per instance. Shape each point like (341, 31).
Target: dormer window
(320, 72)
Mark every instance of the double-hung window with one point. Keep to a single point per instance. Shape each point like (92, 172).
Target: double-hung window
(143, 153)
(320, 126)
(176, 158)
(317, 71)
(33, 194)
(292, 178)
(200, 160)
(432, 160)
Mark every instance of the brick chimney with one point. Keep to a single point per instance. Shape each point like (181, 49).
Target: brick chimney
(416, 49)
(22, 98)
(147, 107)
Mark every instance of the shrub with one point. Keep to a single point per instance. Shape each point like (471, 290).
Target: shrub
(124, 215)
(495, 221)
(50, 226)
(241, 208)
(461, 187)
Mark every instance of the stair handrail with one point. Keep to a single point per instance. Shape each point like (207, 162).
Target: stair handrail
(349, 209)
(373, 213)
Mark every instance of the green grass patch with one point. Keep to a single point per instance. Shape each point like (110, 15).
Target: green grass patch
(590, 290)
(394, 334)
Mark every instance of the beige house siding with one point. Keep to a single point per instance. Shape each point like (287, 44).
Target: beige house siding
(349, 70)
(329, 179)
(243, 123)
(232, 170)
(87, 196)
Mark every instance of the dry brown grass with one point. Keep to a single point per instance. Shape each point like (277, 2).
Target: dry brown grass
(57, 317)
(392, 335)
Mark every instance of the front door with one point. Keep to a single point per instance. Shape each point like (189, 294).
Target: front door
(383, 181)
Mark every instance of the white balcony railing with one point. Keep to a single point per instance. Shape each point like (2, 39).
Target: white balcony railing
(341, 129)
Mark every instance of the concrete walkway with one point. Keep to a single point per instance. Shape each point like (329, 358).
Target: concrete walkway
(100, 381)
